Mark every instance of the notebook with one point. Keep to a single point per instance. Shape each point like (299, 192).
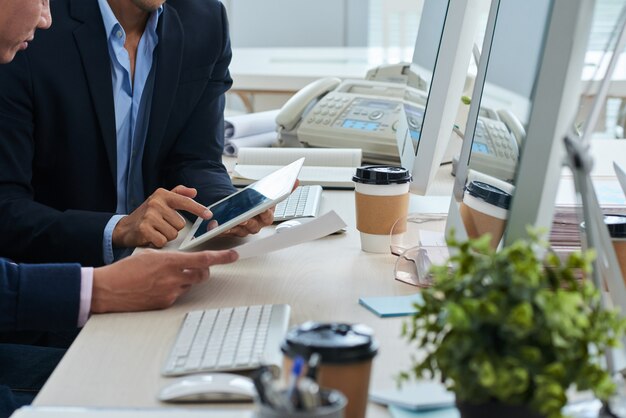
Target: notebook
(328, 167)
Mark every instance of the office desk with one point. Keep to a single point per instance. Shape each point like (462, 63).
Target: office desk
(117, 358)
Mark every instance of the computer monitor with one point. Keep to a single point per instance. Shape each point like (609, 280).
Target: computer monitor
(525, 96)
(443, 49)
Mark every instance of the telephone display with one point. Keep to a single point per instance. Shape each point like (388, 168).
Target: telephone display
(359, 124)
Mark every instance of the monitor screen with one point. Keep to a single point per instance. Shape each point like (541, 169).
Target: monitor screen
(421, 71)
(435, 81)
(524, 100)
(506, 97)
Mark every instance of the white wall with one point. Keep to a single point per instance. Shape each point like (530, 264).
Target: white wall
(292, 23)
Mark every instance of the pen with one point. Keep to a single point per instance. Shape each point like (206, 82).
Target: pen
(293, 396)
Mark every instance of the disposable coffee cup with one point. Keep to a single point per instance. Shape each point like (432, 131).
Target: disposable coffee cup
(381, 198)
(346, 353)
(617, 230)
(485, 209)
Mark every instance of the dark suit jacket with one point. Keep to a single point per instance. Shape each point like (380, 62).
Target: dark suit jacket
(57, 127)
(38, 297)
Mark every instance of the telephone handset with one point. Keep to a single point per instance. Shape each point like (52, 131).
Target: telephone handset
(297, 105)
(497, 140)
(331, 113)
(514, 125)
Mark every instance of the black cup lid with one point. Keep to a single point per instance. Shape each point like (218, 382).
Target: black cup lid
(616, 225)
(381, 174)
(489, 194)
(335, 342)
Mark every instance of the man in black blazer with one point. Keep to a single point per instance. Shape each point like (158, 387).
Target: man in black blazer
(60, 122)
(59, 297)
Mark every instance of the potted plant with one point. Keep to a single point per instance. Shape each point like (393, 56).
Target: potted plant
(510, 331)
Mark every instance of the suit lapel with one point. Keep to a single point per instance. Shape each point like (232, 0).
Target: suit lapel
(92, 46)
(168, 61)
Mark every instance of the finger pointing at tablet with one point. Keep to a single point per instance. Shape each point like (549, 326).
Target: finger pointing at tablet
(157, 221)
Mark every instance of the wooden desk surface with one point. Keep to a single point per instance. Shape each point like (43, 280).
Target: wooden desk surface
(117, 358)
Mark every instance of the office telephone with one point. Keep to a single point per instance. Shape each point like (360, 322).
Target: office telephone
(331, 113)
(497, 140)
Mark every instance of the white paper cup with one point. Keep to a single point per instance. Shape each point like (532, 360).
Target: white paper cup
(381, 198)
(617, 230)
(481, 216)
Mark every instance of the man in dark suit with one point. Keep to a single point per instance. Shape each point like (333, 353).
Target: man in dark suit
(120, 100)
(60, 297)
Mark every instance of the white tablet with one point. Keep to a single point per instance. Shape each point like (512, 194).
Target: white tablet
(243, 205)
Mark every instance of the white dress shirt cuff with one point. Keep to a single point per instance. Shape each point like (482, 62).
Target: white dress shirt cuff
(107, 240)
(86, 286)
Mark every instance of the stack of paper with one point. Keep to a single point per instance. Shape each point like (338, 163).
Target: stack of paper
(328, 167)
(565, 233)
(249, 130)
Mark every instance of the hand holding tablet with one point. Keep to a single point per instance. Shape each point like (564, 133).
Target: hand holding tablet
(243, 205)
(156, 221)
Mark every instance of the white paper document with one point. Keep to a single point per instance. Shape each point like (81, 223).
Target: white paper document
(327, 157)
(250, 124)
(312, 230)
(608, 190)
(232, 146)
(339, 177)
(328, 167)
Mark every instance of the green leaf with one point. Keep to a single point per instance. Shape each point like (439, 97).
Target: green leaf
(516, 325)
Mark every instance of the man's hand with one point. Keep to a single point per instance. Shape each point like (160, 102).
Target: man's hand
(151, 279)
(252, 225)
(156, 221)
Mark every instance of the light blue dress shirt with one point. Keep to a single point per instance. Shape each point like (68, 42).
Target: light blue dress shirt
(132, 102)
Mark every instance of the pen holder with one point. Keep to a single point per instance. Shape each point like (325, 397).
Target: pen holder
(333, 405)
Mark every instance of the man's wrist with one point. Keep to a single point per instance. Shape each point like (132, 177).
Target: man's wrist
(86, 290)
(98, 298)
(108, 241)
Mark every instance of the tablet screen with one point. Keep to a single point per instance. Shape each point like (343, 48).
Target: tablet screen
(229, 209)
(244, 204)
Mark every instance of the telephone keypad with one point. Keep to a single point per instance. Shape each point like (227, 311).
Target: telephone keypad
(497, 138)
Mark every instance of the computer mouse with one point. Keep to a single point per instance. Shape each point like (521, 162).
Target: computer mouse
(212, 387)
(291, 223)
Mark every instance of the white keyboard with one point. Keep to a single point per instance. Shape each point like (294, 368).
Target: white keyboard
(304, 202)
(229, 339)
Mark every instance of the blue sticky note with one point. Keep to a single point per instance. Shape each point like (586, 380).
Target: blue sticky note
(387, 306)
(397, 412)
